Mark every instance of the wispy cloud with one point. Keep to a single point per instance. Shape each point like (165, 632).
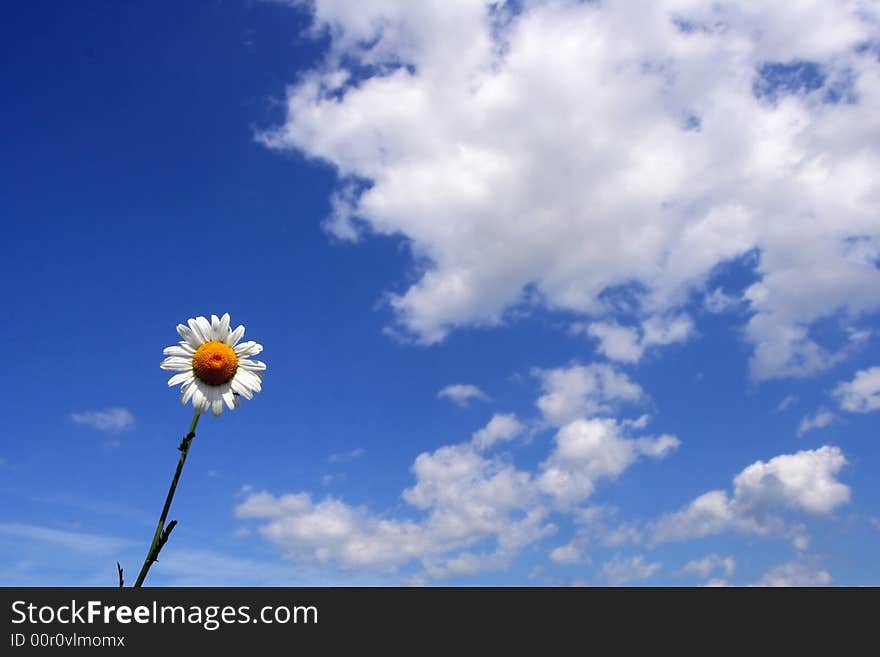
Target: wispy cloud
(788, 402)
(99, 507)
(346, 457)
(819, 419)
(182, 566)
(110, 420)
(76, 541)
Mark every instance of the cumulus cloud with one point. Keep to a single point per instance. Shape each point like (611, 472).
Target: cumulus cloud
(589, 450)
(622, 571)
(819, 419)
(462, 393)
(805, 481)
(862, 394)
(501, 428)
(465, 497)
(583, 390)
(111, 420)
(722, 134)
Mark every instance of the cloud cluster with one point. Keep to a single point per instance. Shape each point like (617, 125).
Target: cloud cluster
(607, 159)
(468, 508)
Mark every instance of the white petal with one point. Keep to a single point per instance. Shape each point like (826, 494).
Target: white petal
(241, 388)
(178, 351)
(200, 401)
(215, 327)
(196, 331)
(188, 336)
(188, 390)
(182, 377)
(176, 364)
(252, 365)
(217, 404)
(250, 348)
(249, 379)
(235, 336)
(205, 327)
(224, 327)
(228, 398)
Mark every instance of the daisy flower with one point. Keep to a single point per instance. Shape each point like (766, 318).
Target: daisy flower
(213, 367)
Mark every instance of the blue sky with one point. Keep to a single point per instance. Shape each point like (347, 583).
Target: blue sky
(643, 245)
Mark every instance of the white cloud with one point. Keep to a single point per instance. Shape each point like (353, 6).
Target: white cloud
(111, 419)
(583, 390)
(795, 574)
(589, 450)
(709, 564)
(819, 419)
(862, 394)
(621, 571)
(467, 511)
(804, 481)
(346, 457)
(628, 344)
(620, 343)
(462, 393)
(501, 428)
(465, 497)
(622, 202)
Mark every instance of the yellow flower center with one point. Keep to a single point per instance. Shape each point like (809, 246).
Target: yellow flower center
(215, 363)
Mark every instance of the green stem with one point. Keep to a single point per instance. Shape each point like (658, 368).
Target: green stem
(163, 532)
